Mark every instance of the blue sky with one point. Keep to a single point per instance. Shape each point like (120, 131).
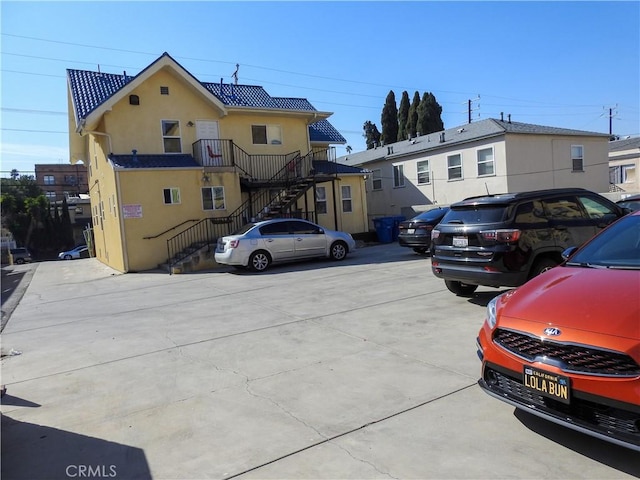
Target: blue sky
(560, 64)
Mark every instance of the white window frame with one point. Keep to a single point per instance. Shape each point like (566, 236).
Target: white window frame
(174, 195)
(451, 168)
(166, 137)
(49, 180)
(321, 198)
(577, 157)
(421, 172)
(50, 195)
(217, 194)
(347, 203)
(486, 161)
(376, 179)
(272, 133)
(398, 175)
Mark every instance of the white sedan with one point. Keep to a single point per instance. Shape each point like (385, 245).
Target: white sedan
(74, 253)
(258, 245)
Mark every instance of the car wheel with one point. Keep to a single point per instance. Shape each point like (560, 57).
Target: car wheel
(420, 250)
(67, 257)
(460, 289)
(339, 251)
(542, 266)
(19, 261)
(259, 261)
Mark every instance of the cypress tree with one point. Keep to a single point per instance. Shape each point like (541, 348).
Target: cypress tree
(389, 119)
(412, 119)
(371, 134)
(403, 116)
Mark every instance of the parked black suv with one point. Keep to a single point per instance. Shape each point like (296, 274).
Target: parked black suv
(504, 240)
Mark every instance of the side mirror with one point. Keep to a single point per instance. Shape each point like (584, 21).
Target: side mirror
(568, 252)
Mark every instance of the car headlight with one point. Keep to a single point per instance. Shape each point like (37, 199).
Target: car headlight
(491, 312)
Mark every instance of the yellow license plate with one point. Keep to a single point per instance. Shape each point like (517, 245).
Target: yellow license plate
(547, 384)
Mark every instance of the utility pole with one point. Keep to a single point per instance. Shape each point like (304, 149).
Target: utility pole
(470, 109)
(611, 115)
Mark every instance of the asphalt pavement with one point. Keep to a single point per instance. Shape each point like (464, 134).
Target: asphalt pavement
(361, 369)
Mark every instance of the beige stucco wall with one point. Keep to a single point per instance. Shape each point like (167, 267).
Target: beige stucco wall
(522, 162)
(539, 161)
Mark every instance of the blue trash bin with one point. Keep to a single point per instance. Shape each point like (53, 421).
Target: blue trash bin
(396, 227)
(384, 229)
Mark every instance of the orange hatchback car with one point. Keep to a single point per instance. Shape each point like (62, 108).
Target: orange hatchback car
(565, 346)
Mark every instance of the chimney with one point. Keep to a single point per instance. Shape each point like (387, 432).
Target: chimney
(442, 137)
(509, 118)
(502, 116)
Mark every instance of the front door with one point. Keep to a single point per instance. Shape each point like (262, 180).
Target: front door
(210, 151)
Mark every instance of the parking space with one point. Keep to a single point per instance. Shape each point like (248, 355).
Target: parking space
(363, 369)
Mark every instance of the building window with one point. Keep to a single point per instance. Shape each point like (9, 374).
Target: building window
(164, 90)
(376, 178)
(577, 158)
(70, 180)
(622, 173)
(213, 198)
(321, 200)
(49, 180)
(135, 99)
(171, 196)
(347, 206)
(51, 195)
(171, 136)
(485, 162)
(454, 167)
(266, 134)
(398, 176)
(424, 175)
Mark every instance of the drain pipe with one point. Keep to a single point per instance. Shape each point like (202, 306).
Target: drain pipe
(123, 233)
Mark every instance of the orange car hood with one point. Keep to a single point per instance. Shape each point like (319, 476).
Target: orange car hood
(606, 301)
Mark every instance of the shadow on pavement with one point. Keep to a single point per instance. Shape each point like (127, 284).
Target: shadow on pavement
(614, 456)
(37, 452)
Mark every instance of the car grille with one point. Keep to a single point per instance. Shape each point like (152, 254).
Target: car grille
(572, 358)
(606, 418)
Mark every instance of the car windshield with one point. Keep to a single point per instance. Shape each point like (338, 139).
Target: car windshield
(475, 214)
(616, 247)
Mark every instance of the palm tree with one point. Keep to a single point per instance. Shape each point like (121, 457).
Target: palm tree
(349, 149)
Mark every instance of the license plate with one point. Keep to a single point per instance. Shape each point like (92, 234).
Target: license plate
(547, 384)
(411, 230)
(460, 241)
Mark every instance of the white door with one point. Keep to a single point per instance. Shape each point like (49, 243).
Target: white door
(210, 151)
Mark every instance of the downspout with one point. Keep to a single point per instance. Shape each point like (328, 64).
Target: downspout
(123, 233)
(365, 209)
(335, 205)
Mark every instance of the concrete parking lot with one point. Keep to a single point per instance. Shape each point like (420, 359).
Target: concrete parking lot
(362, 369)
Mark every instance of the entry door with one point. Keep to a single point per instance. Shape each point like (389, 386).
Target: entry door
(210, 151)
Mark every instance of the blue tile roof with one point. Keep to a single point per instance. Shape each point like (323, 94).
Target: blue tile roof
(323, 131)
(330, 168)
(91, 89)
(153, 161)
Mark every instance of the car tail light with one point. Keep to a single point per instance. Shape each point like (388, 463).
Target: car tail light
(435, 234)
(233, 243)
(507, 235)
(424, 227)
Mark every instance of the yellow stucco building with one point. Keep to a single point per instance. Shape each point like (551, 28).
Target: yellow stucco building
(174, 163)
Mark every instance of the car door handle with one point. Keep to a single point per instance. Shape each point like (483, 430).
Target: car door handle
(268, 239)
(299, 239)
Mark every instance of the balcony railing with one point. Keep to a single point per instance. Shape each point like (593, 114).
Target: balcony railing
(261, 167)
